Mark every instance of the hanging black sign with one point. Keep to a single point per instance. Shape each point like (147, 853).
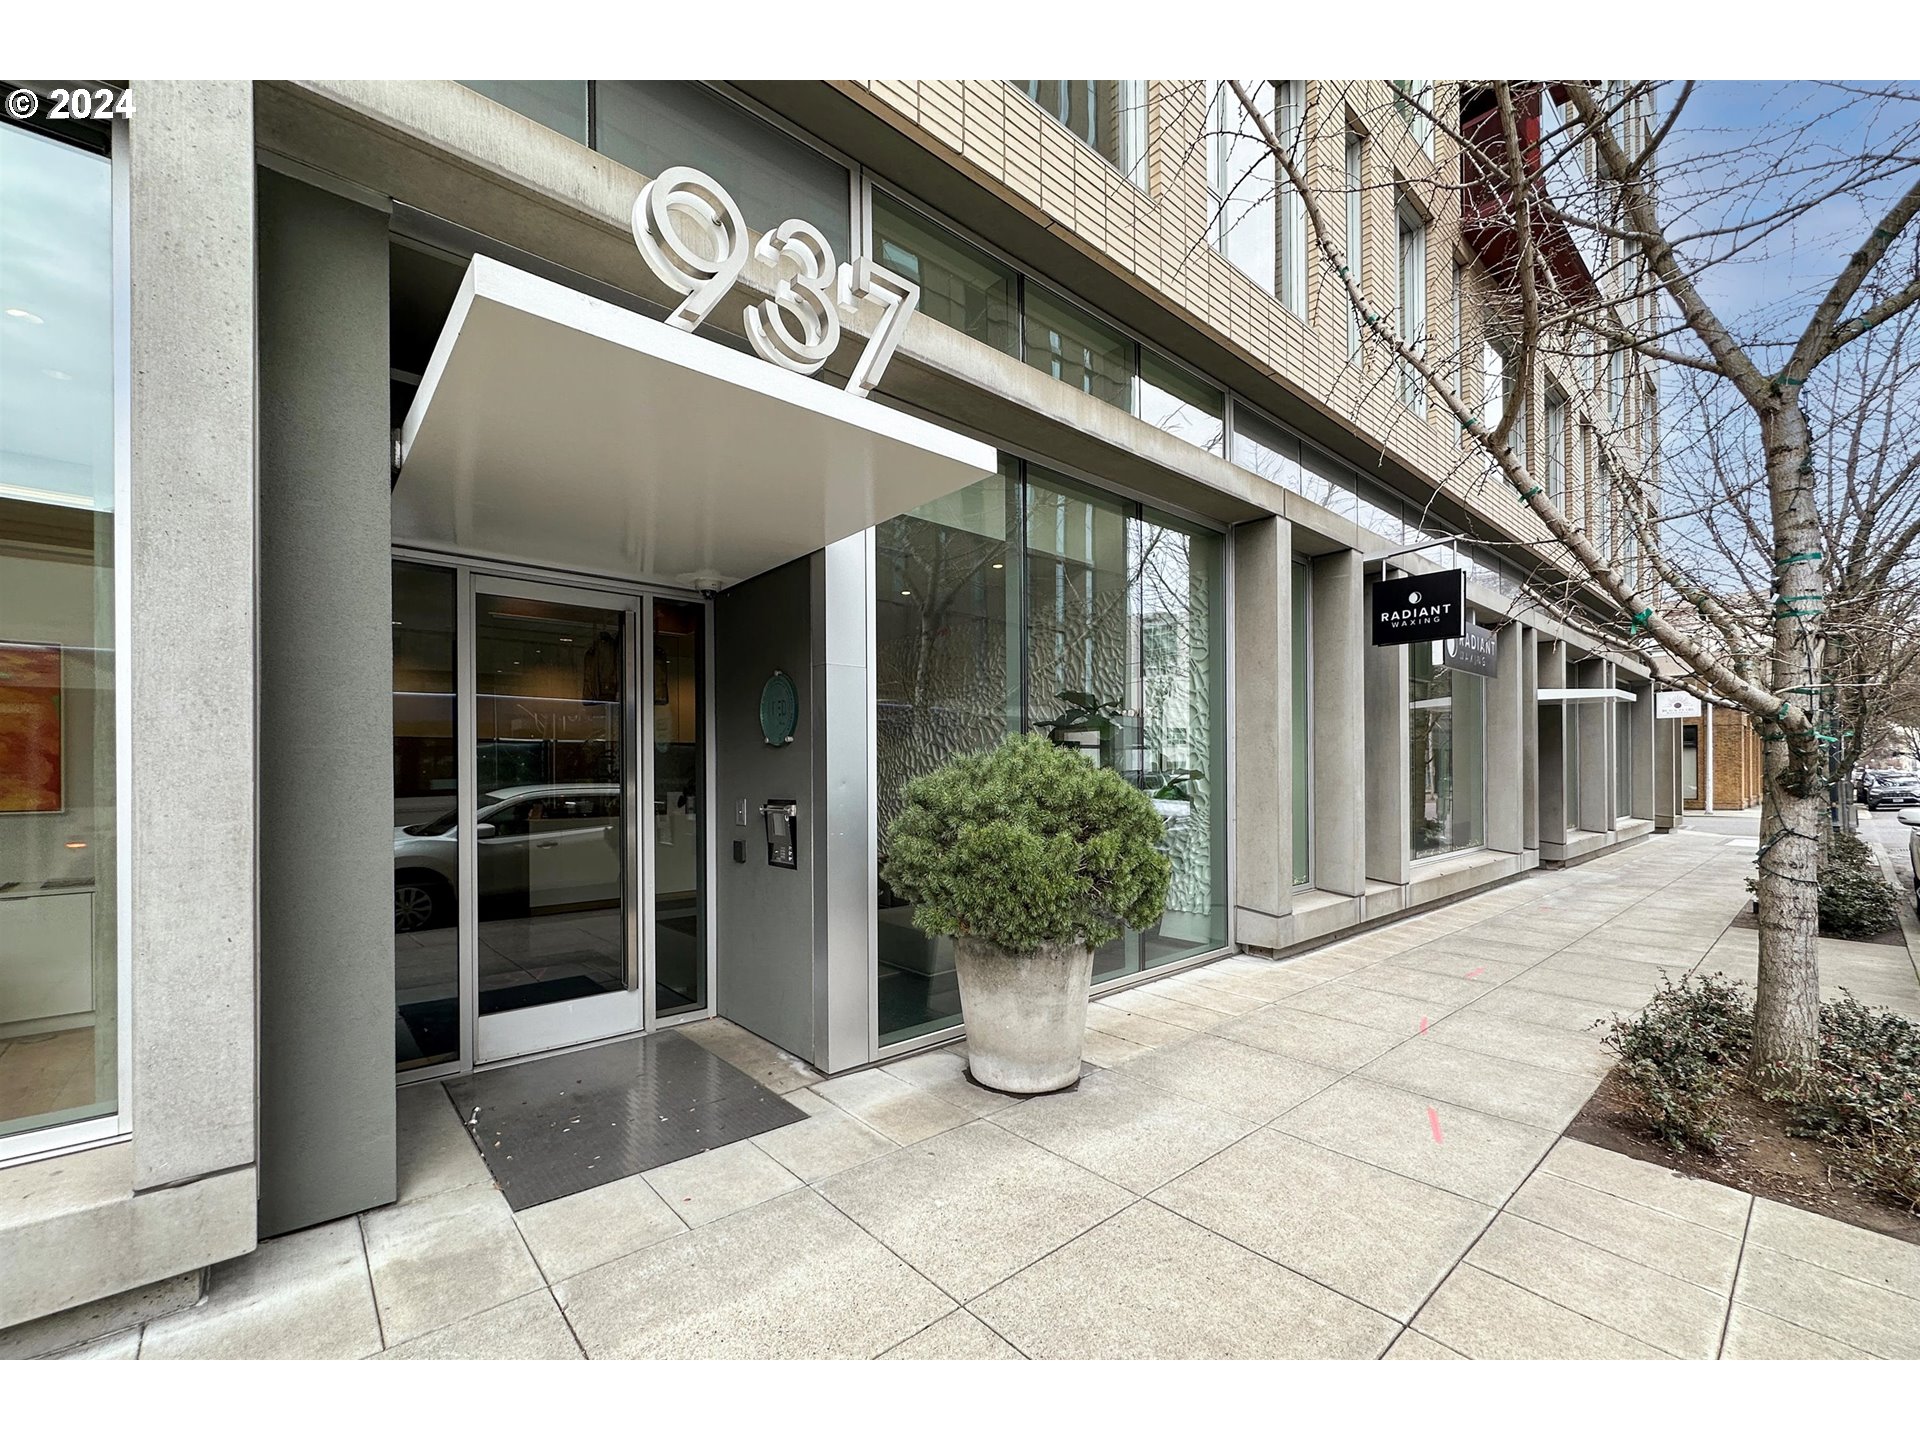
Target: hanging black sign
(1420, 607)
(1477, 651)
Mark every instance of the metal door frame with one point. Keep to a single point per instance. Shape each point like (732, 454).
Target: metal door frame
(471, 579)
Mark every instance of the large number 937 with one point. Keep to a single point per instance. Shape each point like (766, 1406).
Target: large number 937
(799, 327)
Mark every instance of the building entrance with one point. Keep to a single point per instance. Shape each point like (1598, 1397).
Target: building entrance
(562, 897)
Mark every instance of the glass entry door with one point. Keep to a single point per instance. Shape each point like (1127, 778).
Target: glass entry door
(555, 887)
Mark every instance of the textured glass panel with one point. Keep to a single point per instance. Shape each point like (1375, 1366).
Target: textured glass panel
(652, 124)
(1067, 343)
(1182, 763)
(946, 638)
(960, 285)
(1181, 404)
(58, 960)
(557, 104)
(426, 875)
(1302, 723)
(1083, 648)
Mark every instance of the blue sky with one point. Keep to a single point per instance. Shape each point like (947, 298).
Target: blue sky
(1803, 130)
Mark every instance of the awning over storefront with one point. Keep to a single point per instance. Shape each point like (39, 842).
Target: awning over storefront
(1623, 696)
(557, 429)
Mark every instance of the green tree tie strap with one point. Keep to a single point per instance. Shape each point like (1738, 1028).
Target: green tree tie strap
(1794, 559)
(1639, 620)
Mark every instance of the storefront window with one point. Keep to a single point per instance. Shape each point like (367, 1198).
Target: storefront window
(1124, 651)
(652, 124)
(1447, 756)
(1623, 759)
(960, 284)
(557, 104)
(1302, 688)
(946, 654)
(59, 974)
(426, 875)
(1181, 404)
(1067, 343)
(1180, 605)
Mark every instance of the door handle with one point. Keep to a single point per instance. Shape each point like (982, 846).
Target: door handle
(546, 844)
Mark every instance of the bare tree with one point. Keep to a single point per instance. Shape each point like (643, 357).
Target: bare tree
(1600, 221)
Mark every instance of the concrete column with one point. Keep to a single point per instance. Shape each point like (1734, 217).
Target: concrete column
(1341, 820)
(1529, 738)
(1645, 754)
(1386, 736)
(190, 658)
(1508, 734)
(326, 709)
(1593, 807)
(1262, 729)
(1669, 738)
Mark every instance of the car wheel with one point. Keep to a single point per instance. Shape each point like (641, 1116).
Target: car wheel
(416, 906)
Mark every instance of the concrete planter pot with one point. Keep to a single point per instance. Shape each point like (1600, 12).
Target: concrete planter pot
(1026, 1013)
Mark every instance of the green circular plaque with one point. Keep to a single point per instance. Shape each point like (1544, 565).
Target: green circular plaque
(779, 709)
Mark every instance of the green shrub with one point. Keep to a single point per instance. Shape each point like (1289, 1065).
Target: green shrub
(1865, 1099)
(1679, 1055)
(1856, 902)
(1026, 844)
(1855, 899)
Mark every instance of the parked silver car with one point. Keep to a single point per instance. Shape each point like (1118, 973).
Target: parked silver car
(541, 847)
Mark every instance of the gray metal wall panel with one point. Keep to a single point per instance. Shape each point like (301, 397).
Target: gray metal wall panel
(764, 917)
(845, 883)
(326, 814)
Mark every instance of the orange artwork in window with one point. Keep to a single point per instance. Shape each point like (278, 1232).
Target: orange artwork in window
(29, 729)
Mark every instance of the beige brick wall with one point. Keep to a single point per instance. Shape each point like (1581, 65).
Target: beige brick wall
(1157, 239)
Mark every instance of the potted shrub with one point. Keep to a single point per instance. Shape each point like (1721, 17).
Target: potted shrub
(1031, 858)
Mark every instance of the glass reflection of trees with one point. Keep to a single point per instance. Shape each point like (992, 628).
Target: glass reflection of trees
(1120, 655)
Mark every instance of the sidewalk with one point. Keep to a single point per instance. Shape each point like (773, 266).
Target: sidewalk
(1354, 1154)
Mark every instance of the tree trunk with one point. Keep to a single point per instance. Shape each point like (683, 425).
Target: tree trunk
(1786, 1013)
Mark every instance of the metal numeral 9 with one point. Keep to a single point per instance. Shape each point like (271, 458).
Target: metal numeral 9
(702, 279)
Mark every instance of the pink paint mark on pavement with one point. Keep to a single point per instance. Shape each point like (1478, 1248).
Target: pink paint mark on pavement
(1433, 1121)
(1423, 1024)
(1477, 970)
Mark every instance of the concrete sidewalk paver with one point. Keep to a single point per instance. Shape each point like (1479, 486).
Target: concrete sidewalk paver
(444, 1258)
(580, 1231)
(1676, 1316)
(1485, 1317)
(959, 1336)
(1321, 1177)
(1880, 1321)
(1148, 1284)
(970, 1207)
(1530, 1094)
(1755, 1335)
(530, 1328)
(303, 1296)
(1373, 1235)
(1652, 1238)
(791, 1279)
(1475, 1155)
(1125, 1130)
(1243, 1080)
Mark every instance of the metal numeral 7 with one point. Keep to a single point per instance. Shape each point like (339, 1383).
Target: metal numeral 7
(861, 280)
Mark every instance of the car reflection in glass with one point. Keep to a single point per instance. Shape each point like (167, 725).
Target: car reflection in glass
(541, 848)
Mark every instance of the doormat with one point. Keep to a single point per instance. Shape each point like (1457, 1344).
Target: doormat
(558, 1126)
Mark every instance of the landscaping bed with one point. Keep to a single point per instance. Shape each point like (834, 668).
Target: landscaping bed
(1856, 902)
(1841, 1140)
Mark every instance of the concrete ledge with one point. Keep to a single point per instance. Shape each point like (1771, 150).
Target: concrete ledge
(1436, 880)
(73, 1230)
(1579, 845)
(1632, 830)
